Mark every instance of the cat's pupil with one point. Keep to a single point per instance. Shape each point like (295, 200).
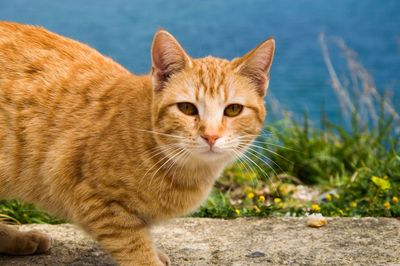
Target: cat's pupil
(233, 110)
(187, 108)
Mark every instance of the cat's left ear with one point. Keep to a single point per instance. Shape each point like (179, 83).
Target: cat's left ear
(167, 57)
(256, 65)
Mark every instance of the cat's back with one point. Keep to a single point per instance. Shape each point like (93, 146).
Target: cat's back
(58, 96)
(48, 77)
(33, 53)
(45, 76)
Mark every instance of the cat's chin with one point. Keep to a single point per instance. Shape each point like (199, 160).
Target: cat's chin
(212, 157)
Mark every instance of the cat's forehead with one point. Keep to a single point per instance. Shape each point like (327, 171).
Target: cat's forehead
(209, 79)
(211, 63)
(211, 75)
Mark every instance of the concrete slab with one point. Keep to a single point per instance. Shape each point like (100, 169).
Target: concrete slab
(267, 241)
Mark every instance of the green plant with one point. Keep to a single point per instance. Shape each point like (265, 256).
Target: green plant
(341, 163)
(14, 211)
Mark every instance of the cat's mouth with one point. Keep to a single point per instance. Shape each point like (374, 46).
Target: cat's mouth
(213, 153)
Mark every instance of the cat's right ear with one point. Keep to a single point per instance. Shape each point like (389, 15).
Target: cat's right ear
(167, 57)
(256, 65)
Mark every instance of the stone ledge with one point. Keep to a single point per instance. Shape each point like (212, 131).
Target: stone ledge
(268, 241)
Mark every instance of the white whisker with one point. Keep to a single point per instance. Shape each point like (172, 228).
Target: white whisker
(262, 170)
(250, 162)
(256, 153)
(166, 154)
(169, 159)
(183, 161)
(244, 163)
(271, 151)
(274, 144)
(160, 133)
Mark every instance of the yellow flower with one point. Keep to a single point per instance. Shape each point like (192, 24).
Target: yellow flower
(395, 200)
(386, 205)
(283, 190)
(328, 197)
(250, 195)
(237, 211)
(261, 199)
(353, 204)
(280, 205)
(315, 208)
(256, 209)
(382, 183)
(277, 200)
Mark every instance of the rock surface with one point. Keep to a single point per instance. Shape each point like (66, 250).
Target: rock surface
(268, 241)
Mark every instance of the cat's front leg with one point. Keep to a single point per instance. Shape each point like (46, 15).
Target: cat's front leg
(14, 242)
(127, 239)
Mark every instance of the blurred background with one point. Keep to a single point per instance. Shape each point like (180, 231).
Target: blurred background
(123, 30)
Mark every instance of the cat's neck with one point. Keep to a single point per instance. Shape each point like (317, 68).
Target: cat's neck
(190, 173)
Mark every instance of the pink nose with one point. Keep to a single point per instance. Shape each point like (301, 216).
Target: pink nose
(211, 139)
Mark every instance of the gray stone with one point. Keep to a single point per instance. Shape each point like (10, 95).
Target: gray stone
(268, 241)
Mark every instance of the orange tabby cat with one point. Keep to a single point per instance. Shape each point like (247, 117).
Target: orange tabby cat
(113, 152)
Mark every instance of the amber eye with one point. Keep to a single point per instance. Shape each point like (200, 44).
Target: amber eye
(233, 110)
(188, 108)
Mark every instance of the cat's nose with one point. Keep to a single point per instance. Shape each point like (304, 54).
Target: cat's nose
(211, 139)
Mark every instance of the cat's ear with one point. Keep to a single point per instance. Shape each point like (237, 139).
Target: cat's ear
(256, 65)
(168, 58)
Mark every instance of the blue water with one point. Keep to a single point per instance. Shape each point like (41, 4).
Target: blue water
(123, 29)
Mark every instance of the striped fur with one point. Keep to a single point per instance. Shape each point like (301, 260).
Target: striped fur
(87, 140)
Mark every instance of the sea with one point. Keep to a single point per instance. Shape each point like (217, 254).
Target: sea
(123, 30)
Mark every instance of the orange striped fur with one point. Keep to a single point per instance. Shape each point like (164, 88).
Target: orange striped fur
(112, 152)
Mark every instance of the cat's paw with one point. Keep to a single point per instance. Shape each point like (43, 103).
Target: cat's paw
(32, 242)
(163, 258)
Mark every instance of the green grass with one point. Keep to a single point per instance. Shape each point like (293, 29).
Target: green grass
(353, 172)
(13, 211)
(351, 169)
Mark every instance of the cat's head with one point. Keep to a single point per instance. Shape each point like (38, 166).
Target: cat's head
(208, 109)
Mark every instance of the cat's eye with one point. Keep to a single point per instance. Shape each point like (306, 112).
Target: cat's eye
(188, 108)
(233, 110)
